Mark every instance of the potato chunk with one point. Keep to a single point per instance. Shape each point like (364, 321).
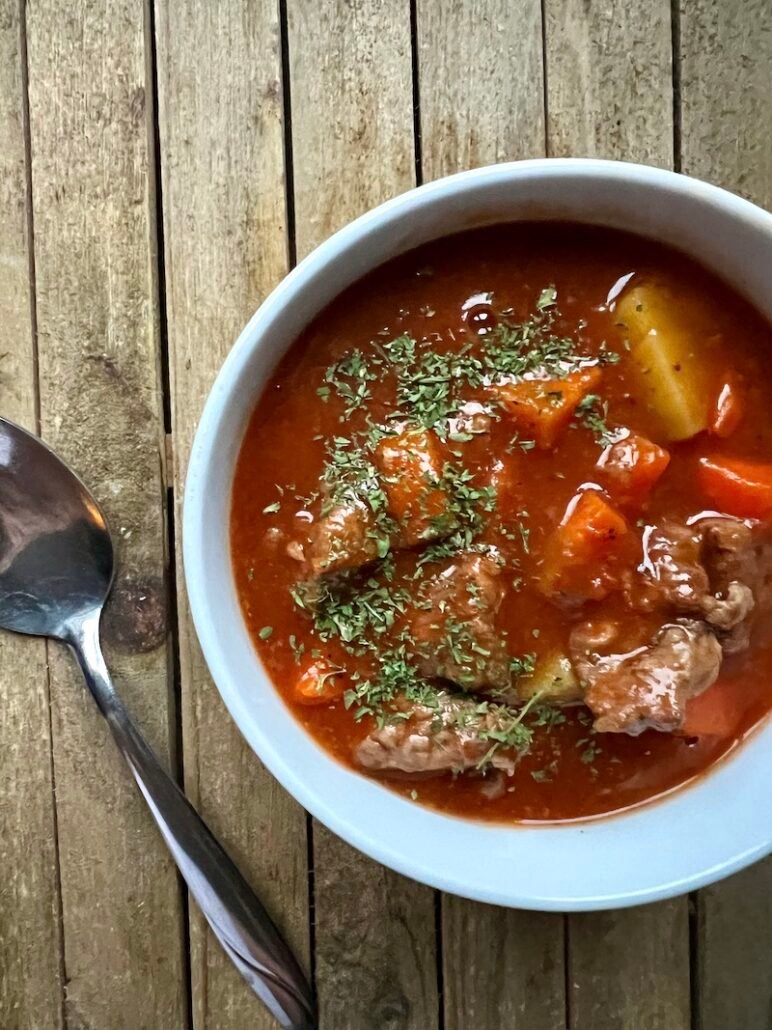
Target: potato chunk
(553, 680)
(345, 538)
(666, 352)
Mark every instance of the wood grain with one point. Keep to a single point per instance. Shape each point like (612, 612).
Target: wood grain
(482, 100)
(352, 125)
(630, 969)
(221, 135)
(502, 968)
(353, 147)
(725, 52)
(30, 932)
(481, 84)
(610, 94)
(609, 79)
(375, 962)
(733, 943)
(726, 89)
(608, 86)
(101, 408)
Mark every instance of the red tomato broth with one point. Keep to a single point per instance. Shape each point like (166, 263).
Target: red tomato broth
(425, 292)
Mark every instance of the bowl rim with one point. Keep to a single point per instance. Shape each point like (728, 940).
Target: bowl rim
(197, 571)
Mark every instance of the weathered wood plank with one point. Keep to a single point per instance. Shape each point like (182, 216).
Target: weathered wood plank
(375, 961)
(221, 135)
(609, 94)
(609, 80)
(101, 408)
(352, 124)
(502, 968)
(481, 95)
(481, 85)
(17, 363)
(629, 970)
(734, 944)
(30, 944)
(725, 52)
(353, 147)
(726, 83)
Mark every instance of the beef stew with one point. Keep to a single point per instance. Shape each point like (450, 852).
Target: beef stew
(500, 523)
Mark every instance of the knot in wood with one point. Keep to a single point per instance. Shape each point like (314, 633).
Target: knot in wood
(135, 617)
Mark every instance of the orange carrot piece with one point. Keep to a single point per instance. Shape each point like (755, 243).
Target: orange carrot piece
(542, 408)
(729, 408)
(319, 683)
(411, 464)
(632, 466)
(737, 487)
(580, 554)
(713, 713)
(590, 524)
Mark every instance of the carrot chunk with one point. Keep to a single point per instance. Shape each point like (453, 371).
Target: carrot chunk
(729, 408)
(542, 408)
(411, 465)
(737, 487)
(581, 554)
(631, 467)
(319, 683)
(713, 713)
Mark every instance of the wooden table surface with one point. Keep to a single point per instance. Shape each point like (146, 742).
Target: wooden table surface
(161, 168)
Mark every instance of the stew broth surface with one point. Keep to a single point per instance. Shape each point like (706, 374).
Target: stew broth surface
(447, 293)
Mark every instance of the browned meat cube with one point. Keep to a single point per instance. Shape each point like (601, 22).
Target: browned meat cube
(714, 568)
(670, 574)
(343, 539)
(454, 629)
(647, 687)
(411, 470)
(456, 735)
(736, 561)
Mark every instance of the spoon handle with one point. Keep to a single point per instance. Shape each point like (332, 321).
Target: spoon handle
(238, 919)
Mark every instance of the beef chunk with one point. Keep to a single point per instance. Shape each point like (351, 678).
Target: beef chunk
(411, 472)
(648, 687)
(410, 467)
(455, 735)
(671, 573)
(345, 538)
(732, 558)
(715, 569)
(454, 626)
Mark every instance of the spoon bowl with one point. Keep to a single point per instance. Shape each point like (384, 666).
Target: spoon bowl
(56, 571)
(56, 555)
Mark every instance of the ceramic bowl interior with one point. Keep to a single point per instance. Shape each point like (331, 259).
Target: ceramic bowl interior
(693, 836)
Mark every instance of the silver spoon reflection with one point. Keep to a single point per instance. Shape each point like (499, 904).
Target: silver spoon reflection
(56, 571)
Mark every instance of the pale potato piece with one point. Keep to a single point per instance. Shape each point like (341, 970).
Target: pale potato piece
(554, 677)
(668, 352)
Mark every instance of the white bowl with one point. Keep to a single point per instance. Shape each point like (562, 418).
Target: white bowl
(695, 835)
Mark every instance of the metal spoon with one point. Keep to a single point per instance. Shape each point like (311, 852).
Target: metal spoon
(56, 571)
